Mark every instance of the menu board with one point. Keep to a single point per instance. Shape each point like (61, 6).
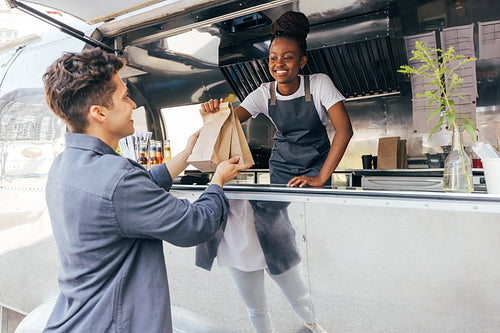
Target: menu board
(489, 39)
(461, 39)
(420, 105)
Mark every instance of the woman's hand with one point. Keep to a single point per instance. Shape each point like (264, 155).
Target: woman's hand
(301, 181)
(212, 105)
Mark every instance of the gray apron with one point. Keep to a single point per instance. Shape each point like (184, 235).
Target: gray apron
(300, 148)
(301, 145)
(301, 142)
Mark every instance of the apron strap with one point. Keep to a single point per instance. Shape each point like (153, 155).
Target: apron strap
(272, 90)
(307, 90)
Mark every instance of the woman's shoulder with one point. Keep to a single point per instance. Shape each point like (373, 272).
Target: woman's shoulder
(265, 85)
(319, 77)
(262, 90)
(256, 101)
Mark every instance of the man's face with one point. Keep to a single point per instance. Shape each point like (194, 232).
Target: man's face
(120, 122)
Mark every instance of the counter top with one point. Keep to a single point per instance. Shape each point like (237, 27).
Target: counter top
(434, 172)
(348, 191)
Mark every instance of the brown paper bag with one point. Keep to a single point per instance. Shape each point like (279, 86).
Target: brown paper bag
(388, 153)
(239, 144)
(392, 153)
(221, 137)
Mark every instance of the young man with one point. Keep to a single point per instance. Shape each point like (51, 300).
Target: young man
(109, 215)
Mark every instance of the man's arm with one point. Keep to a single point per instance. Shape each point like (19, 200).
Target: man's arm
(144, 210)
(178, 163)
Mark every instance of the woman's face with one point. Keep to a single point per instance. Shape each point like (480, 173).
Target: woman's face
(285, 60)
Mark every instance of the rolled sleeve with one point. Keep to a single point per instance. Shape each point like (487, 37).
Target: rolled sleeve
(161, 176)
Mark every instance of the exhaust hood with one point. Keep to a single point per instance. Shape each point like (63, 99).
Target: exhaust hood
(359, 55)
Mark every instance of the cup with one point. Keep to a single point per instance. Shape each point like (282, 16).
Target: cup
(491, 168)
(367, 161)
(374, 161)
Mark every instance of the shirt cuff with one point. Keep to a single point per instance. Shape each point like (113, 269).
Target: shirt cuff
(161, 176)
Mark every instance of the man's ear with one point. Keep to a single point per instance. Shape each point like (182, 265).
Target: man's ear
(97, 113)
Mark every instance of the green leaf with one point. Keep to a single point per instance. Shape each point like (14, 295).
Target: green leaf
(468, 121)
(451, 119)
(471, 130)
(435, 112)
(436, 128)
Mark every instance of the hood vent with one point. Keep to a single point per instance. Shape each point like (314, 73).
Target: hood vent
(359, 70)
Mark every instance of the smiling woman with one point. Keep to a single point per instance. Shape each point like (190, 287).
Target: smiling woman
(300, 107)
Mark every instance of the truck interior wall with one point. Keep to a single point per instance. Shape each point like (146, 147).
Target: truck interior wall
(338, 38)
(377, 116)
(164, 78)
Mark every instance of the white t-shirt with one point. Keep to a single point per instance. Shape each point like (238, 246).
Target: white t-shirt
(323, 91)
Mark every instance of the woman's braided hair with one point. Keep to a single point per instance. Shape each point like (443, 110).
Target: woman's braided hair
(293, 25)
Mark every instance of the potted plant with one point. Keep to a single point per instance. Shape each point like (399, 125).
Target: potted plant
(443, 86)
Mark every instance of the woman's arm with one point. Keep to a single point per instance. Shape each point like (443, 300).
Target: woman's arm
(343, 133)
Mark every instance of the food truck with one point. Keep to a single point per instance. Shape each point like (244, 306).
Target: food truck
(382, 249)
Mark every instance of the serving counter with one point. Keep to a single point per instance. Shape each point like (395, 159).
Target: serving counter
(375, 261)
(375, 179)
(401, 179)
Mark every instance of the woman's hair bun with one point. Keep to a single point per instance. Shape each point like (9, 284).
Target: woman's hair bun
(291, 23)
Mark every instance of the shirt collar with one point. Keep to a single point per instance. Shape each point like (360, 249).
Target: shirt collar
(87, 142)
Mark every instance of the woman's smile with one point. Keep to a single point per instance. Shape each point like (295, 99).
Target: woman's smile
(280, 72)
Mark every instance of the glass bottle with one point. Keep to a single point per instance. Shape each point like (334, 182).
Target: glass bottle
(152, 154)
(143, 160)
(168, 154)
(457, 174)
(159, 156)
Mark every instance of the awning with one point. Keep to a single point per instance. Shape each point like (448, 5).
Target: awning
(95, 11)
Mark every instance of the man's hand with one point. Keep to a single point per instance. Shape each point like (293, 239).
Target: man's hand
(227, 170)
(191, 142)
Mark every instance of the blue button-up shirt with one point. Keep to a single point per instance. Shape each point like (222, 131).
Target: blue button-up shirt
(109, 217)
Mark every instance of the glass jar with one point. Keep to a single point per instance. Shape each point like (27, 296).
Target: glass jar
(457, 173)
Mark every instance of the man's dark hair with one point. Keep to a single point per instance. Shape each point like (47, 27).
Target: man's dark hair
(76, 81)
(293, 25)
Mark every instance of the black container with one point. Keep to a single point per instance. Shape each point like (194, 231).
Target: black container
(367, 161)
